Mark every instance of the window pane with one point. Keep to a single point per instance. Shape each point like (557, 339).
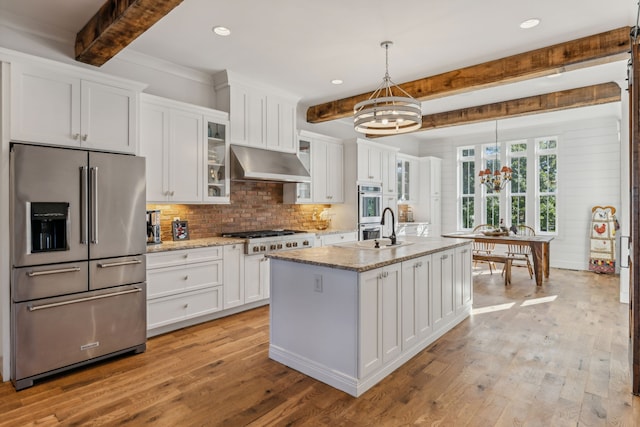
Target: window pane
(468, 152)
(407, 190)
(548, 171)
(548, 213)
(518, 148)
(468, 177)
(518, 210)
(519, 177)
(493, 210)
(547, 144)
(467, 212)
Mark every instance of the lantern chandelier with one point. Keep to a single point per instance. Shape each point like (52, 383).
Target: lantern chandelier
(385, 113)
(498, 179)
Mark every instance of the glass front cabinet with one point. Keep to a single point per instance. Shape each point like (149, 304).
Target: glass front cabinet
(217, 161)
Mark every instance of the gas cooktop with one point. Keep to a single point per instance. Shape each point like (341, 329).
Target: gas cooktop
(261, 233)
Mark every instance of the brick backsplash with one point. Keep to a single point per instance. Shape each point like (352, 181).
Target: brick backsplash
(254, 206)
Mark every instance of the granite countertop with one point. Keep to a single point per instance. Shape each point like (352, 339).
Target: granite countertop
(195, 243)
(346, 257)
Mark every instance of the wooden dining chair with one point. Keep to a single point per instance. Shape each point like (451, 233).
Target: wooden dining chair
(483, 248)
(521, 254)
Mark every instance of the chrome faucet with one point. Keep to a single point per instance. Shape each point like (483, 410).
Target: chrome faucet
(393, 224)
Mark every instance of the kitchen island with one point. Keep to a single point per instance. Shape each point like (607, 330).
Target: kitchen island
(348, 315)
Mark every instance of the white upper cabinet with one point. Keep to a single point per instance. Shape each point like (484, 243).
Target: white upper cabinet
(61, 105)
(324, 158)
(369, 163)
(389, 173)
(407, 178)
(184, 164)
(259, 116)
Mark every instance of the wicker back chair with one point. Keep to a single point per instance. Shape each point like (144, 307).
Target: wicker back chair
(521, 254)
(483, 248)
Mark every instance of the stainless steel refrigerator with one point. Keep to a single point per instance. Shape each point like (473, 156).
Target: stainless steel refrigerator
(78, 291)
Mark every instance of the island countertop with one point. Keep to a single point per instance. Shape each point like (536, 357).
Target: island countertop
(347, 257)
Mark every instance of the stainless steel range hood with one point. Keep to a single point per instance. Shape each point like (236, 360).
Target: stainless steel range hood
(257, 164)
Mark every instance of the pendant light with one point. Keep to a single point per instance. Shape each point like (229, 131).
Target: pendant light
(498, 179)
(386, 113)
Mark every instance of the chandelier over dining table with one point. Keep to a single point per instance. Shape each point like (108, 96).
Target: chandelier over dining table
(498, 179)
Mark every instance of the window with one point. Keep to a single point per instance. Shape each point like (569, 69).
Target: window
(531, 196)
(518, 194)
(547, 158)
(467, 168)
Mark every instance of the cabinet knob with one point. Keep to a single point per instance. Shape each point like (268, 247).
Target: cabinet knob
(185, 256)
(444, 257)
(185, 306)
(172, 193)
(76, 136)
(186, 277)
(84, 137)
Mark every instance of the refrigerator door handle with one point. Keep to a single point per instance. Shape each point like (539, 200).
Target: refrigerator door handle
(94, 205)
(84, 209)
(75, 301)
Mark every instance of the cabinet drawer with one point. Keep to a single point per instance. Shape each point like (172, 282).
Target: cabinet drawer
(164, 311)
(332, 239)
(182, 257)
(172, 280)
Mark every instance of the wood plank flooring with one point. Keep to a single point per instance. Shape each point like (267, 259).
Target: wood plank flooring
(550, 356)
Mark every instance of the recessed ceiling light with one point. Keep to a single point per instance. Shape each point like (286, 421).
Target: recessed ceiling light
(336, 82)
(529, 23)
(221, 31)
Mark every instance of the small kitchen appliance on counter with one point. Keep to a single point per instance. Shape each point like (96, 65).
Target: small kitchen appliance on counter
(153, 227)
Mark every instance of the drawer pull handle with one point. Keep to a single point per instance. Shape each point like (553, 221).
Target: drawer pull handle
(119, 263)
(45, 272)
(58, 304)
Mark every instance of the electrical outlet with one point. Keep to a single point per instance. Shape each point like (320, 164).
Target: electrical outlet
(317, 279)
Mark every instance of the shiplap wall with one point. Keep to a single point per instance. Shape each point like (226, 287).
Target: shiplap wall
(589, 159)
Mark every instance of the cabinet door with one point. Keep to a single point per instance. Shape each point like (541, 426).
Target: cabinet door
(435, 173)
(233, 270)
(463, 280)
(256, 119)
(185, 157)
(335, 173)
(108, 117)
(370, 318)
(443, 289)
(416, 300)
(154, 146)
(369, 163)
(391, 312)
(45, 106)
(216, 182)
(280, 124)
(389, 173)
(256, 278)
(435, 216)
(319, 169)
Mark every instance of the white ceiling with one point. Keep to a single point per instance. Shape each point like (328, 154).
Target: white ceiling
(301, 45)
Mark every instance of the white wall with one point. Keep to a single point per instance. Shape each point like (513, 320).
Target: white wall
(589, 160)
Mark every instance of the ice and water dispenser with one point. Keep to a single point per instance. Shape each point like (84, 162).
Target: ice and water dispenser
(49, 222)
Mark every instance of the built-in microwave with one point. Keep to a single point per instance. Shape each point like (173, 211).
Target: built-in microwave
(369, 204)
(370, 231)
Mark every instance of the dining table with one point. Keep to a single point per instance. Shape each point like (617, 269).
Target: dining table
(539, 248)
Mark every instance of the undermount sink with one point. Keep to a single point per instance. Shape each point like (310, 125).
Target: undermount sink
(371, 244)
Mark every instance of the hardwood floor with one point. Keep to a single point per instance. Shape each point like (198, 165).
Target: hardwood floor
(555, 355)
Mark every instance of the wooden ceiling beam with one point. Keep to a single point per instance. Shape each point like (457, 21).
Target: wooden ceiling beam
(115, 25)
(573, 98)
(597, 49)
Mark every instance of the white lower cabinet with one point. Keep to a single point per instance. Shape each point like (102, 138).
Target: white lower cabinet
(256, 278)
(443, 289)
(380, 318)
(416, 300)
(233, 275)
(183, 284)
(463, 279)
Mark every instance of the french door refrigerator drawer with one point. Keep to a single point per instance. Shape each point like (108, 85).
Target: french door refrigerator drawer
(106, 273)
(54, 333)
(29, 283)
